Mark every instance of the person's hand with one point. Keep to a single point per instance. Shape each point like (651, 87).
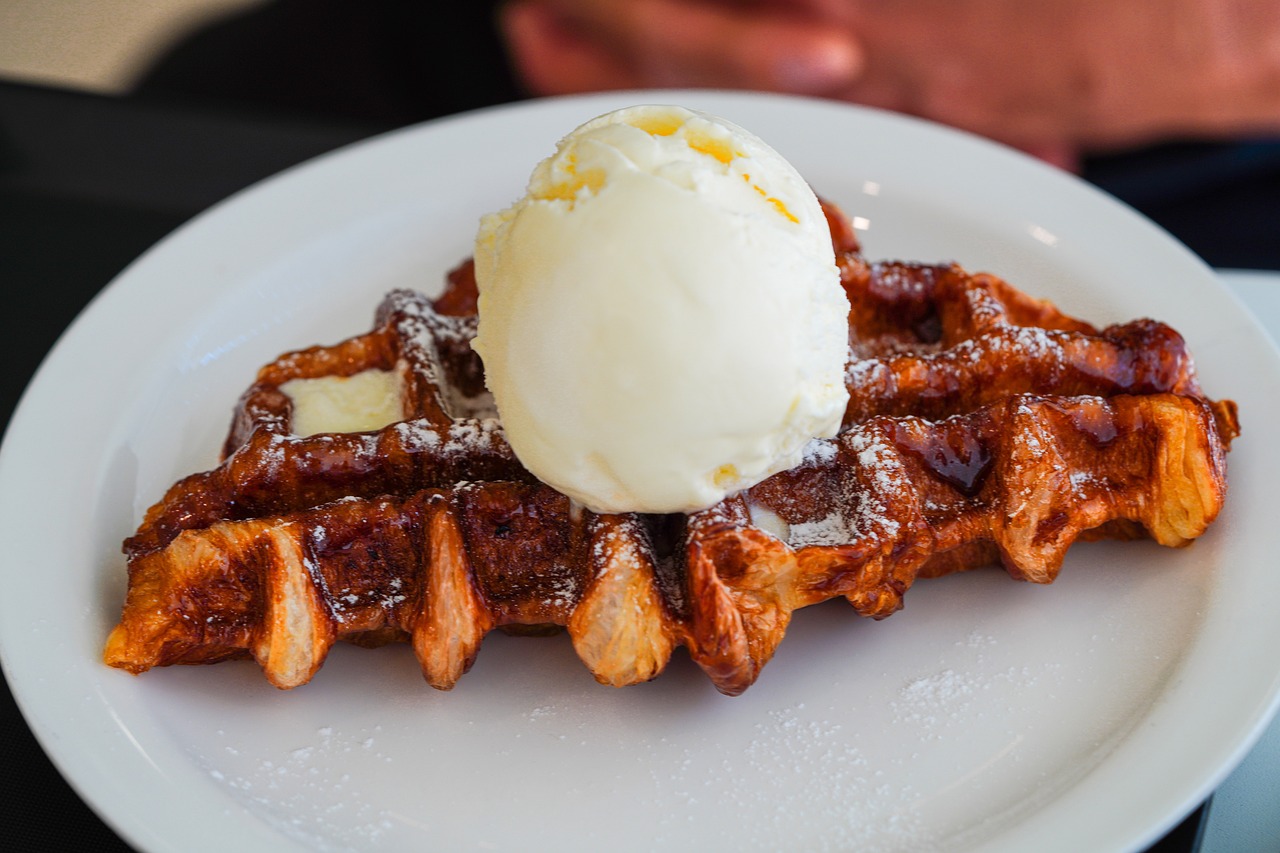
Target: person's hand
(570, 46)
(1052, 77)
(1064, 73)
(797, 46)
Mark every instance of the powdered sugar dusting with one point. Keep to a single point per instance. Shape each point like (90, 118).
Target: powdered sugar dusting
(272, 454)
(863, 373)
(820, 452)
(832, 529)
(417, 435)
(468, 435)
(964, 364)
(463, 437)
(424, 333)
(936, 703)
(308, 790)
(879, 459)
(561, 590)
(386, 599)
(863, 511)
(909, 280)
(791, 762)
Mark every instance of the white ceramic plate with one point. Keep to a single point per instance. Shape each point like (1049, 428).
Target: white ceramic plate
(992, 715)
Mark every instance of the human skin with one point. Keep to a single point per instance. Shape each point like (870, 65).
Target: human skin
(572, 46)
(1053, 77)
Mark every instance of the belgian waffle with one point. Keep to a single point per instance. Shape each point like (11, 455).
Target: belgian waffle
(983, 427)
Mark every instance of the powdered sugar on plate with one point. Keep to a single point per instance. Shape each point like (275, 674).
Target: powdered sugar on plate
(801, 755)
(311, 790)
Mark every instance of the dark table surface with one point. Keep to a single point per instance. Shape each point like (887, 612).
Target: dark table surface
(87, 184)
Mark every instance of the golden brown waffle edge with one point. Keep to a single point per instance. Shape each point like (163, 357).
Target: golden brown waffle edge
(983, 426)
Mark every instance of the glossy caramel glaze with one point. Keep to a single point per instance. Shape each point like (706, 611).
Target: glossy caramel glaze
(865, 514)
(266, 470)
(984, 427)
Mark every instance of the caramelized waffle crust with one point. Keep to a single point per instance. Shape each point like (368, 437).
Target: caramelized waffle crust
(983, 427)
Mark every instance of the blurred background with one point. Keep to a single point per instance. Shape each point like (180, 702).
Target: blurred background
(98, 46)
(92, 174)
(349, 69)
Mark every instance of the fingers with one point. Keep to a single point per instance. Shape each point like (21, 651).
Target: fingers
(734, 47)
(554, 58)
(672, 43)
(1061, 154)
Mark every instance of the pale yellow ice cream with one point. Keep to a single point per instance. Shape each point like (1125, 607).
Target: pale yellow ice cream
(661, 318)
(368, 400)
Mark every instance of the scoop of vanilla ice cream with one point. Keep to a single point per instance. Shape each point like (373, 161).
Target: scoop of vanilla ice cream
(661, 318)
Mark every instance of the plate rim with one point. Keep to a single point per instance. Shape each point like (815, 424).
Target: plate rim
(124, 286)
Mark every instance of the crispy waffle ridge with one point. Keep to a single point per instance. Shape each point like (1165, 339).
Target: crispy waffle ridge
(984, 427)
